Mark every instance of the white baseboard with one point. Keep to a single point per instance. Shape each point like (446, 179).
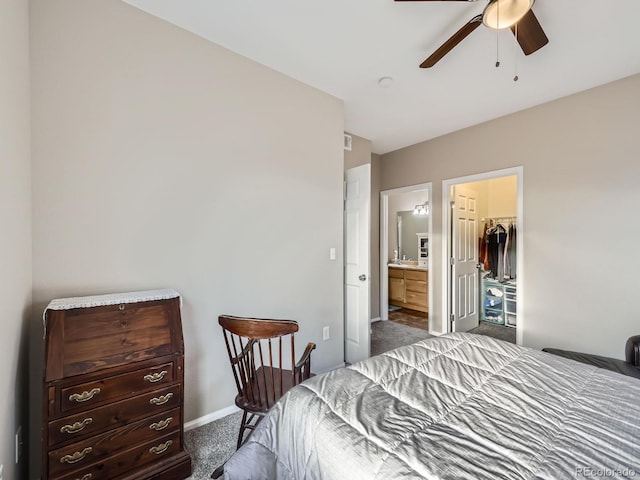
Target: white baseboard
(377, 319)
(210, 417)
(436, 334)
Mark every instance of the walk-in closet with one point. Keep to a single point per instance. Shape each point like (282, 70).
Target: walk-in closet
(485, 280)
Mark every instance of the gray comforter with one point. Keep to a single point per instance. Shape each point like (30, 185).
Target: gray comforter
(456, 407)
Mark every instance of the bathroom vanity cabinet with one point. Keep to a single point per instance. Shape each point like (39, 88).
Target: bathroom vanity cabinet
(408, 288)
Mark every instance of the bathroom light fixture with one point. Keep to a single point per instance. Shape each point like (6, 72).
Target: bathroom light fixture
(501, 14)
(421, 209)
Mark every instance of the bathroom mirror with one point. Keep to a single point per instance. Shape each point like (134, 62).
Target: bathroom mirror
(409, 225)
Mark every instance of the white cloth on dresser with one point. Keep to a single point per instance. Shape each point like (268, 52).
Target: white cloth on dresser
(109, 299)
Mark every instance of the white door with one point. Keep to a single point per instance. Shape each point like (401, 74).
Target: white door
(356, 262)
(464, 254)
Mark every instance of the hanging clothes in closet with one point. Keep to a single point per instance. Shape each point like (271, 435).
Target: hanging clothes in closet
(510, 253)
(483, 249)
(498, 251)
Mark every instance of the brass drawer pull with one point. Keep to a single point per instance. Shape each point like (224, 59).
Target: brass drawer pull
(84, 396)
(155, 377)
(161, 425)
(88, 476)
(163, 447)
(76, 457)
(76, 427)
(161, 400)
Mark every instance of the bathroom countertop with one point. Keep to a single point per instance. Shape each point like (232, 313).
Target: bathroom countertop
(407, 267)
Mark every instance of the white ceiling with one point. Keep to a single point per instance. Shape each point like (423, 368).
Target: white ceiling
(344, 46)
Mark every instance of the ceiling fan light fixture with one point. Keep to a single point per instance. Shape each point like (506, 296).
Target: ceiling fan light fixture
(501, 14)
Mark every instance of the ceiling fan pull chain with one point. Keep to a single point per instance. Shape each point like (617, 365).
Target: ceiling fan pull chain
(515, 57)
(497, 35)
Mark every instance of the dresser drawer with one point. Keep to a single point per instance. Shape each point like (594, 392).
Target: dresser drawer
(92, 449)
(86, 395)
(84, 424)
(416, 286)
(135, 457)
(419, 275)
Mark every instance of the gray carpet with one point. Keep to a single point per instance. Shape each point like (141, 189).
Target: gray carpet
(212, 444)
(508, 334)
(387, 335)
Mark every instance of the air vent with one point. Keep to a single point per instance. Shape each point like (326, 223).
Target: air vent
(347, 141)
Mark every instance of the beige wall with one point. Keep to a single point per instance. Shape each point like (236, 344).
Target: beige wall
(360, 153)
(15, 218)
(162, 160)
(581, 175)
(502, 196)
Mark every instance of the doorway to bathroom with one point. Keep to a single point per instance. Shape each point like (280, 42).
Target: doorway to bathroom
(405, 280)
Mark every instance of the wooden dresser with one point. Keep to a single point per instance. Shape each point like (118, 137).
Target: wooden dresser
(113, 388)
(408, 288)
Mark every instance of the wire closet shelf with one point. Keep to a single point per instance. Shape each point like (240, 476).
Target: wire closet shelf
(491, 221)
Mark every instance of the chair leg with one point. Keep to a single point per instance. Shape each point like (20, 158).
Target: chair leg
(217, 473)
(243, 426)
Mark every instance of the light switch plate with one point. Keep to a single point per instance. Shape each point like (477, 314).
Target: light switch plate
(325, 333)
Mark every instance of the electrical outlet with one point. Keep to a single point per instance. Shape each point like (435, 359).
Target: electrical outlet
(325, 333)
(18, 445)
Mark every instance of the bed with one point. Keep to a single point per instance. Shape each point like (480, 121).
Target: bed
(457, 406)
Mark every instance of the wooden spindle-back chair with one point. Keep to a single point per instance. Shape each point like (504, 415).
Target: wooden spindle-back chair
(255, 347)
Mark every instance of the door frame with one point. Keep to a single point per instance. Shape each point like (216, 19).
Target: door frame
(384, 245)
(446, 241)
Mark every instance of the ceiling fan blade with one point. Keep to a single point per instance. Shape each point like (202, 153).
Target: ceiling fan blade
(455, 39)
(530, 35)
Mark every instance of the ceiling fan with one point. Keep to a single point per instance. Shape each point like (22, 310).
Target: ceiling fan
(498, 14)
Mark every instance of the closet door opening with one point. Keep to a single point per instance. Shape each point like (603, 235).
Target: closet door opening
(482, 218)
